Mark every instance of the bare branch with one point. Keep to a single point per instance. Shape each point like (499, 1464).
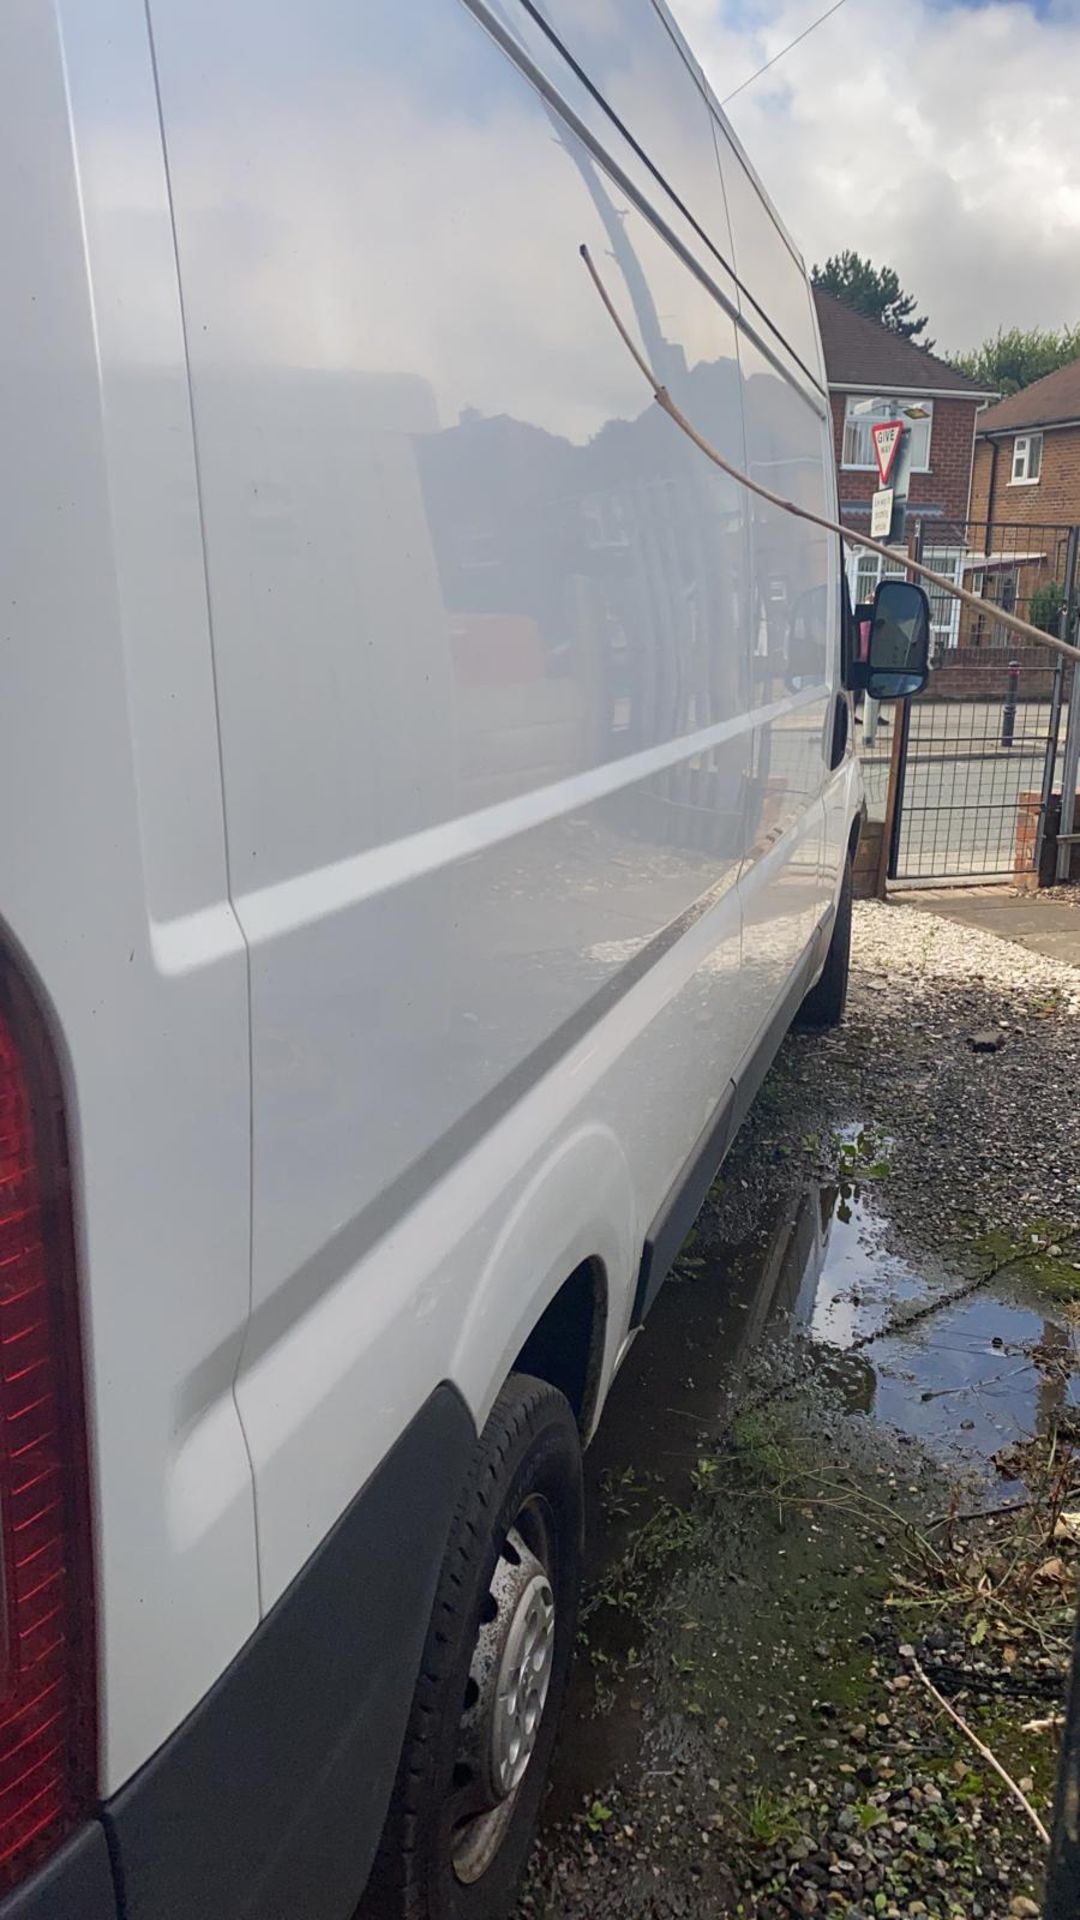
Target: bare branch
(861, 540)
(980, 1747)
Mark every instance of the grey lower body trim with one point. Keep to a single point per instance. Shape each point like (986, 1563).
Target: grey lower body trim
(268, 1803)
(76, 1884)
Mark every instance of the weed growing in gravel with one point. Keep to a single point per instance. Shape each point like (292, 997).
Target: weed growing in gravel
(769, 1820)
(629, 1585)
(597, 1816)
(863, 1156)
(869, 1815)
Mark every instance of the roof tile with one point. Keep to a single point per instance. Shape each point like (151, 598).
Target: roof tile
(1046, 403)
(861, 353)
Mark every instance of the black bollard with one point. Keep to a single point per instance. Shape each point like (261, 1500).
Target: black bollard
(1008, 711)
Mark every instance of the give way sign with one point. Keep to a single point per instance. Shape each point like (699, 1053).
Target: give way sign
(886, 438)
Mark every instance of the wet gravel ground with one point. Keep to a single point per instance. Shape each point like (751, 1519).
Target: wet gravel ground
(987, 1140)
(790, 1488)
(988, 1136)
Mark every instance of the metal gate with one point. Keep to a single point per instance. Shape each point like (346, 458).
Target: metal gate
(973, 758)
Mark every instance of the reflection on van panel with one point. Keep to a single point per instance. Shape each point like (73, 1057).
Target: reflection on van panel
(459, 759)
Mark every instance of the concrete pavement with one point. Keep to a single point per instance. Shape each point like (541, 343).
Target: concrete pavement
(1045, 922)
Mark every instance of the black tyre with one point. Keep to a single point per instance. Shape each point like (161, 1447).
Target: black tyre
(824, 1004)
(493, 1675)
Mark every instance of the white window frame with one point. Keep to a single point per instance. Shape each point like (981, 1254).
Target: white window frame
(862, 410)
(1027, 453)
(865, 569)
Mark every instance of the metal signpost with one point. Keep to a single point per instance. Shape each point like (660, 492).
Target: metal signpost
(900, 475)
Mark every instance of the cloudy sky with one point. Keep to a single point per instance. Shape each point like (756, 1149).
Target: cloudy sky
(942, 139)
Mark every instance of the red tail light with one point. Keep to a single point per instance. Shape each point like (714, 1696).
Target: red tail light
(46, 1651)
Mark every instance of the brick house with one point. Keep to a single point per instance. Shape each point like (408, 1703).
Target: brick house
(869, 370)
(1026, 488)
(1027, 454)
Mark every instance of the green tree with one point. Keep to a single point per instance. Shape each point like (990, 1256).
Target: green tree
(873, 291)
(1046, 604)
(1013, 359)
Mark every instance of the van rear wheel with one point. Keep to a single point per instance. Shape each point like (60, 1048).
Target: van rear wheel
(825, 1003)
(493, 1675)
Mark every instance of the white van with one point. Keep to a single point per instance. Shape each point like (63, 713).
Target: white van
(429, 799)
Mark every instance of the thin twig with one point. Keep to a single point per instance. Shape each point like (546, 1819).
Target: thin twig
(978, 1513)
(1017, 1792)
(864, 1499)
(856, 539)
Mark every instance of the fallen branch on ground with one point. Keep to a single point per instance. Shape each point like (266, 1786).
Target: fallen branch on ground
(981, 1747)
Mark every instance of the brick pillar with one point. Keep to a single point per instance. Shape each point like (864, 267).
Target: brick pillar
(1029, 806)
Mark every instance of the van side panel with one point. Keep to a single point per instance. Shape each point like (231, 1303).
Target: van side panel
(794, 667)
(643, 72)
(112, 868)
(767, 263)
(789, 882)
(480, 621)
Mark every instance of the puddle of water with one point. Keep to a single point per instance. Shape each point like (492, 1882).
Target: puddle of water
(851, 1285)
(967, 1382)
(964, 1379)
(967, 1377)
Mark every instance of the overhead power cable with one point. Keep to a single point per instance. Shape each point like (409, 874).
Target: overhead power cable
(799, 37)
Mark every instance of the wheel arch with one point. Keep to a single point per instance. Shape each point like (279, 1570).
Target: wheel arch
(554, 1295)
(566, 1346)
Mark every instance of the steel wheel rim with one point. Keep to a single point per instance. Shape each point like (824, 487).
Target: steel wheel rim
(507, 1692)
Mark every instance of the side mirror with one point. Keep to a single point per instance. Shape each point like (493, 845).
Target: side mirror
(898, 654)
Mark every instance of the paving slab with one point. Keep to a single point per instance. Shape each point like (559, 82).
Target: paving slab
(1043, 922)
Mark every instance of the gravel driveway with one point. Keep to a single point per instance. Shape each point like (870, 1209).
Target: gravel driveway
(871, 1333)
(988, 1140)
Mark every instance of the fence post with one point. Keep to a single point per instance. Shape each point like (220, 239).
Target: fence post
(1049, 761)
(894, 798)
(1071, 758)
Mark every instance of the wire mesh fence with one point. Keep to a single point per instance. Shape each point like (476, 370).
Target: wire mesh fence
(978, 748)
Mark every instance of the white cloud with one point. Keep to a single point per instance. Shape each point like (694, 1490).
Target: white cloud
(941, 140)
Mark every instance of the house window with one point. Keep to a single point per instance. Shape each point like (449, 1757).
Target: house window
(1027, 459)
(861, 414)
(865, 569)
